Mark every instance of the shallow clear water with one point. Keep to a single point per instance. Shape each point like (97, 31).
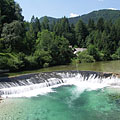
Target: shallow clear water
(65, 103)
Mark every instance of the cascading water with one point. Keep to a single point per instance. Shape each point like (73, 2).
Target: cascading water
(71, 95)
(35, 84)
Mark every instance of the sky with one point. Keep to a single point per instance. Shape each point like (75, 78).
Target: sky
(61, 8)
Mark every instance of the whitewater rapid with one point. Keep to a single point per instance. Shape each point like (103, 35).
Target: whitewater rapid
(30, 87)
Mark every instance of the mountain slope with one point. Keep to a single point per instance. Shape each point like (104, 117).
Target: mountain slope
(106, 14)
(95, 15)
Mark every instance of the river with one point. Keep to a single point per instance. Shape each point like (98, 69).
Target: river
(76, 98)
(103, 66)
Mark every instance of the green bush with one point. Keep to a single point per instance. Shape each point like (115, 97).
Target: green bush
(30, 62)
(101, 56)
(114, 57)
(74, 61)
(85, 57)
(9, 61)
(118, 53)
(3, 62)
(93, 51)
(12, 61)
(42, 57)
(45, 65)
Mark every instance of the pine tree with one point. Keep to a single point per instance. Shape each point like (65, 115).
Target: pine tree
(45, 24)
(100, 24)
(81, 33)
(91, 25)
(35, 25)
(30, 40)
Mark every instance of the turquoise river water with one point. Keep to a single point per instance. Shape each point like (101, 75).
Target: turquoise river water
(64, 103)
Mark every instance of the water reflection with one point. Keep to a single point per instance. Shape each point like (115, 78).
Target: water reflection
(104, 66)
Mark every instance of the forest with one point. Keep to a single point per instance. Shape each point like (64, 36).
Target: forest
(34, 45)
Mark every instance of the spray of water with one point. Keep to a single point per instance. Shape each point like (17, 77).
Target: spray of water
(33, 89)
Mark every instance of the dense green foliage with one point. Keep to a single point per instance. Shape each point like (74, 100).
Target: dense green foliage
(85, 57)
(33, 45)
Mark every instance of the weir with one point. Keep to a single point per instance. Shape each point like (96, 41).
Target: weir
(17, 86)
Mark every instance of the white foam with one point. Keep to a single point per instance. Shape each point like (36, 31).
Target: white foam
(41, 89)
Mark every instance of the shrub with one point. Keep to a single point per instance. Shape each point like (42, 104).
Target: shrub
(42, 57)
(85, 57)
(101, 56)
(74, 61)
(118, 53)
(93, 51)
(3, 62)
(31, 62)
(114, 57)
(12, 61)
(9, 61)
(46, 65)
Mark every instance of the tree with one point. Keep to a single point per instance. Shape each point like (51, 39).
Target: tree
(9, 11)
(91, 25)
(81, 33)
(12, 35)
(93, 52)
(45, 24)
(95, 39)
(118, 52)
(56, 46)
(100, 24)
(43, 58)
(85, 57)
(60, 51)
(117, 27)
(63, 28)
(113, 40)
(45, 40)
(30, 40)
(35, 25)
(18, 13)
(107, 26)
(72, 40)
(52, 25)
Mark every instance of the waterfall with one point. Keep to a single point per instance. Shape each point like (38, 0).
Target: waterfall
(35, 84)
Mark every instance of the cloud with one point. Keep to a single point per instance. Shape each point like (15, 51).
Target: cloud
(73, 15)
(112, 8)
